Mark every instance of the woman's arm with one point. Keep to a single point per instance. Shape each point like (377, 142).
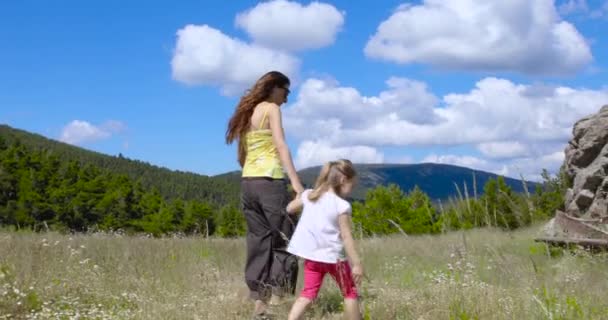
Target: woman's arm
(278, 137)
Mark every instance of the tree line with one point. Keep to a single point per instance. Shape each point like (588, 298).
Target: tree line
(171, 184)
(39, 191)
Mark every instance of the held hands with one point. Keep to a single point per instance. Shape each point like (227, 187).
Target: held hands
(295, 205)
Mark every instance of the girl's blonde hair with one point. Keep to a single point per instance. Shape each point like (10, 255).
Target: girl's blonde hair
(332, 176)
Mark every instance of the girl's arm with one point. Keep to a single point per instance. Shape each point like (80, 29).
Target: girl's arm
(278, 137)
(344, 222)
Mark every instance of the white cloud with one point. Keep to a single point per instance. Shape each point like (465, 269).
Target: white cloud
(514, 126)
(522, 36)
(529, 168)
(80, 132)
(495, 111)
(204, 55)
(313, 153)
(324, 109)
(503, 149)
(291, 26)
(463, 161)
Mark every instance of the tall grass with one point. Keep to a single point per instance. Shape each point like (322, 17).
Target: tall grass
(474, 274)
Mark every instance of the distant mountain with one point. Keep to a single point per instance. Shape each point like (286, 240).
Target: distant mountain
(439, 181)
(171, 184)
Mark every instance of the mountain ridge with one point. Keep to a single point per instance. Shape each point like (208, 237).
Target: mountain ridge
(439, 181)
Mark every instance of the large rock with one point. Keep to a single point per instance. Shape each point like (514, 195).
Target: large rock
(586, 164)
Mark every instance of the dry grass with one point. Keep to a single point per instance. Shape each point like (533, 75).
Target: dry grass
(478, 274)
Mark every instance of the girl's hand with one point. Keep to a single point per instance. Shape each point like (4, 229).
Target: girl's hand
(357, 273)
(295, 205)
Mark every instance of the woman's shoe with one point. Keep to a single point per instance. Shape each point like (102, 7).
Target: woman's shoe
(275, 300)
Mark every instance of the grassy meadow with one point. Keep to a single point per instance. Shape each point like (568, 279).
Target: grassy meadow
(475, 274)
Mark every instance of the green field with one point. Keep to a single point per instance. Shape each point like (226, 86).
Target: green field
(476, 274)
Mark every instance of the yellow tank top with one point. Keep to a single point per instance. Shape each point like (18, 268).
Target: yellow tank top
(262, 156)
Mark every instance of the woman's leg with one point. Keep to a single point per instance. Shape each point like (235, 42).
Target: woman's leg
(259, 245)
(283, 271)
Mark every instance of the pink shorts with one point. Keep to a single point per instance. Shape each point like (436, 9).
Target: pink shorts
(314, 272)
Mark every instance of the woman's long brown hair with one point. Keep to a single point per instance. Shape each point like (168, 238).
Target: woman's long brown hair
(241, 119)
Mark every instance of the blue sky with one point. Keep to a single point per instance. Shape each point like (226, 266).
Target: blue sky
(490, 86)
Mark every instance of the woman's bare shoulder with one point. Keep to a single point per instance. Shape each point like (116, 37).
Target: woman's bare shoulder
(267, 104)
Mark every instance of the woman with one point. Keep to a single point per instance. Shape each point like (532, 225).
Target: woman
(263, 154)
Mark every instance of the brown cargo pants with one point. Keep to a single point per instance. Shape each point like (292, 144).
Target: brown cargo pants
(269, 267)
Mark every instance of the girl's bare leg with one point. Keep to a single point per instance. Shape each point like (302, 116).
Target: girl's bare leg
(298, 308)
(351, 309)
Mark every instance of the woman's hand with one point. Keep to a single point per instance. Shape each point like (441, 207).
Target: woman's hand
(298, 188)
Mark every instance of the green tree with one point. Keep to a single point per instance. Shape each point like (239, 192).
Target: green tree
(421, 217)
(198, 218)
(388, 210)
(158, 223)
(549, 196)
(230, 222)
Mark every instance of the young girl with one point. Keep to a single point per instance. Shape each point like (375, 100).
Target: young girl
(323, 234)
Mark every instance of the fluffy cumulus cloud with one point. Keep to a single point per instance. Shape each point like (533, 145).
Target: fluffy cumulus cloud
(512, 126)
(204, 55)
(326, 110)
(521, 36)
(79, 132)
(495, 111)
(291, 26)
(312, 153)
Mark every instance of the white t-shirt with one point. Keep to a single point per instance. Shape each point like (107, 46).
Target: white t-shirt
(317, 235)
